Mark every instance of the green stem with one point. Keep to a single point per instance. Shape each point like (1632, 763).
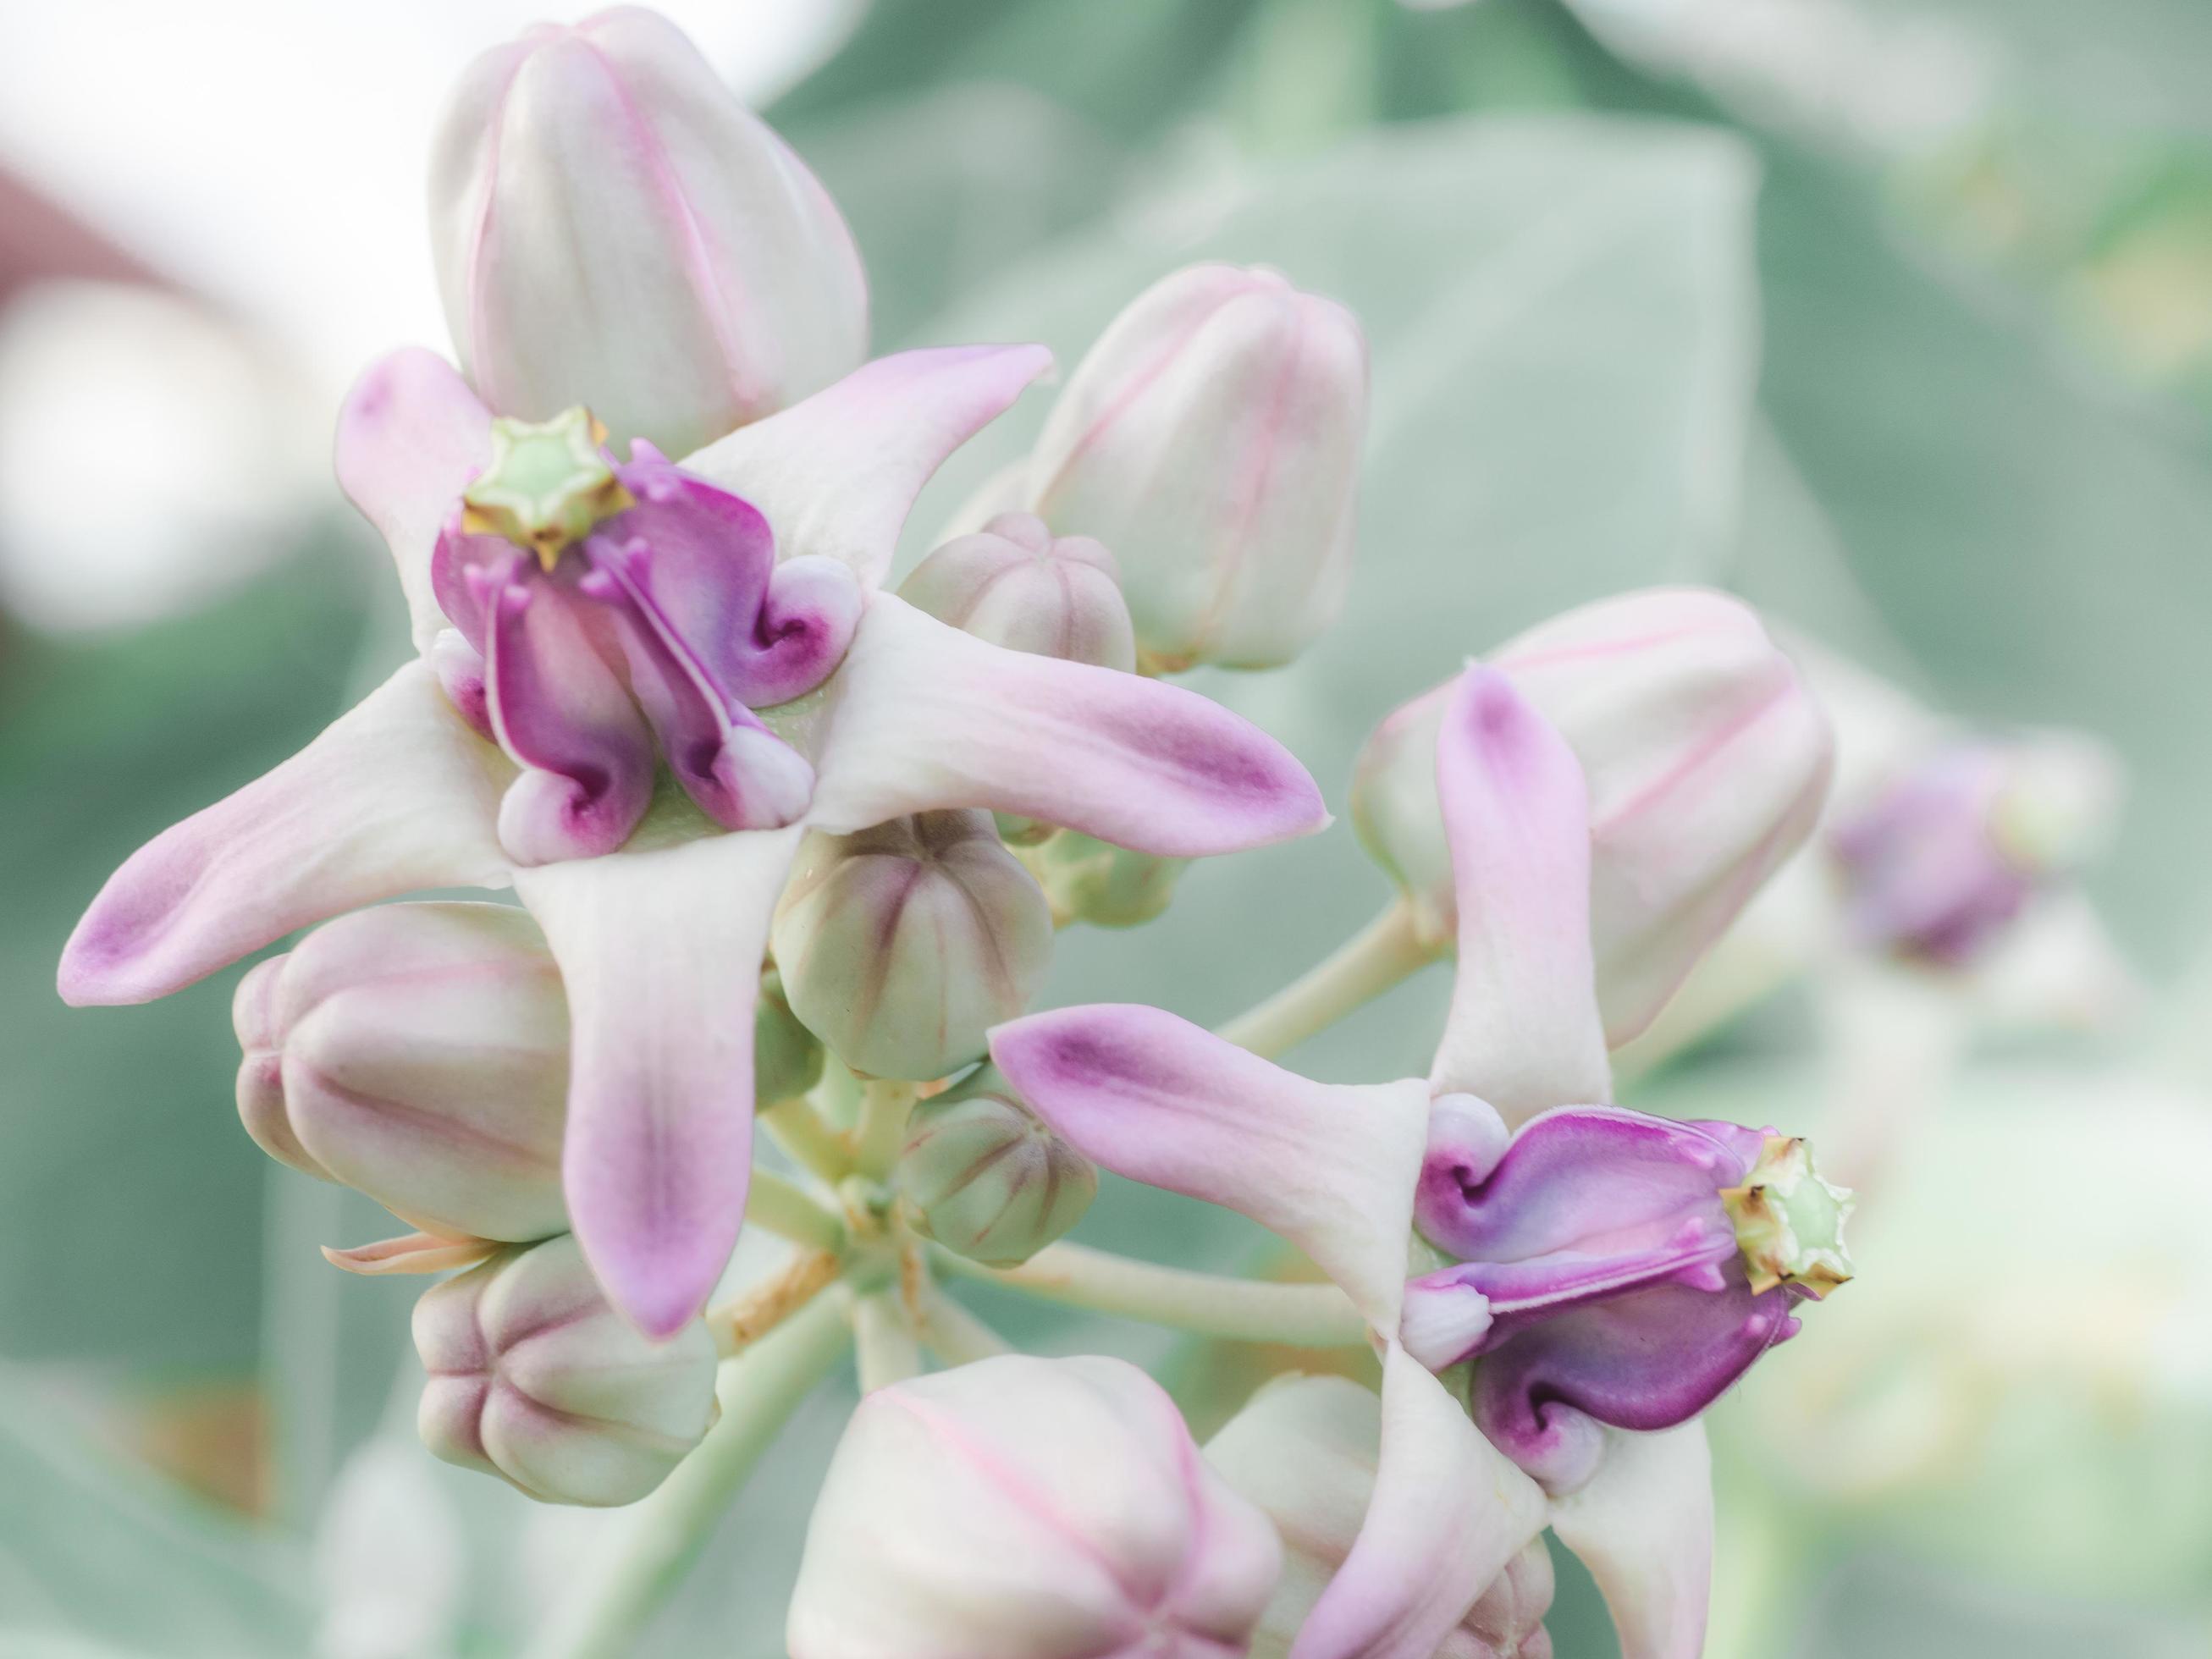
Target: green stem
(888, 1350)
(796, 1127)
(791, 1212)
(758, 1391)
(954, 1334)
(885, 1103)
(1371, 962)
(1242, 1309)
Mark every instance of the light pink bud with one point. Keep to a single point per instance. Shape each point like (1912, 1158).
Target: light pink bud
(1016, 584)
(1021, 1508)
(613, 228)
(418, 1053)
(534, 1377)
(1211, 438)
(1305, 1449)
(901, 946)
(1707, 761)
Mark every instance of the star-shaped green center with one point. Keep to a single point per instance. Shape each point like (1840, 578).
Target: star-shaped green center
(547, 484)
(1789, 1222)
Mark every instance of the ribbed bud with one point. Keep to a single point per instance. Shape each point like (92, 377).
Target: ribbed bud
(927, 1538)
(1016, 584)
(786, 1056)
(1707, 761)
(534, 1377)
(988, 1179)
(1304, 1450)
(901, 946)
(1211, 438)
(418, 1053)
(613, 228)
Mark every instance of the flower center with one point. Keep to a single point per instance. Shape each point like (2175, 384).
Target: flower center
(1789, 1222)
(548, 484)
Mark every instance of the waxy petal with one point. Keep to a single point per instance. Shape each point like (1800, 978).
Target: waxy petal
(397, 795)
(837, 474)
(411, 437)
(925, 717)
(1448, 1514)
(560, 708)
(1524, 1032)
(1643, 1527)
(660, 949)
(1649, 1360)
(1159, 1100)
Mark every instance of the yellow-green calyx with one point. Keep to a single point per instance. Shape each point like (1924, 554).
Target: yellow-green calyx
(1789, 1222)
(547, 485)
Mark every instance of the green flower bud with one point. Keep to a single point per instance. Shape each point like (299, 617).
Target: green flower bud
(900, 947)
(787, 1058)
(1090, 880)
(987, 1178)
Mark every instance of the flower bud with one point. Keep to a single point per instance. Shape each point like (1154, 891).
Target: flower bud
(1211, 438)
(987, 1178)
(1305, 1449)
(1016, 584)
(786, 1056)
(534, 1377)
(927, 1536)
(418, 1053)
(1707, 761)
(1944, 857)
(613, 228)
(1086, 880)
(901, 946)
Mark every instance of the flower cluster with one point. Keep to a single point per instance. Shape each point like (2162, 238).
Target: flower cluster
(785, 836)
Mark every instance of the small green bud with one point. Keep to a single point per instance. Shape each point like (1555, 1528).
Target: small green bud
(786, 1056)
(1789, 1222)
(1093, 881)
(987, 1178)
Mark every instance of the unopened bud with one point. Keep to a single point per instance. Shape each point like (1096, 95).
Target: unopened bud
(786, 1056)
(418, 1053)
(613, 227)
(1707, 761)
(901, 946)
(1086, 880)
(1305, 1449)
(534, 1377)
(1016, 584)
(1211, 438)
(988, 1179)
(927, 1538)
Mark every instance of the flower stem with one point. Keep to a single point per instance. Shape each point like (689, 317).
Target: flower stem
(796, 1127)
(739, 1323)
(887, 1348)
(955, 1336)
(758, 1391)
(790, 1211)
(880, 1136)
(1242, 1309)
(1370, 962)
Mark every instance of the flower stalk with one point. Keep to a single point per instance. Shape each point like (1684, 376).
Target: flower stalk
(1380, 956)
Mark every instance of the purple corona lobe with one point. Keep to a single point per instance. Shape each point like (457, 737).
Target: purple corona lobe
(1600, 1276)
(651, 636)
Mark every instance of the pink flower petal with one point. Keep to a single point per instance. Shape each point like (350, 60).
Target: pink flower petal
(396, 796)
(660, 950)
(411, 436)
(1159, 1100)
(1524, 1032)
(1643, 1526)
(927, 717)
(1448, 1513)
(837, 474)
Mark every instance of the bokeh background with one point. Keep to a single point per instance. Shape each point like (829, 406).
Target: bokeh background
(1894, 316)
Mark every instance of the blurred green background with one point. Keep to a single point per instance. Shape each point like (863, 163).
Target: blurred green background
(1893, 315)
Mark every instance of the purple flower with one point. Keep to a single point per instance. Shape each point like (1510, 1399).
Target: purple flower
(609, 631)
(1605, 1281)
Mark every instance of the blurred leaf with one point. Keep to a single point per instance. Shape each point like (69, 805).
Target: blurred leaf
(120, 1151)
(96, 1557)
